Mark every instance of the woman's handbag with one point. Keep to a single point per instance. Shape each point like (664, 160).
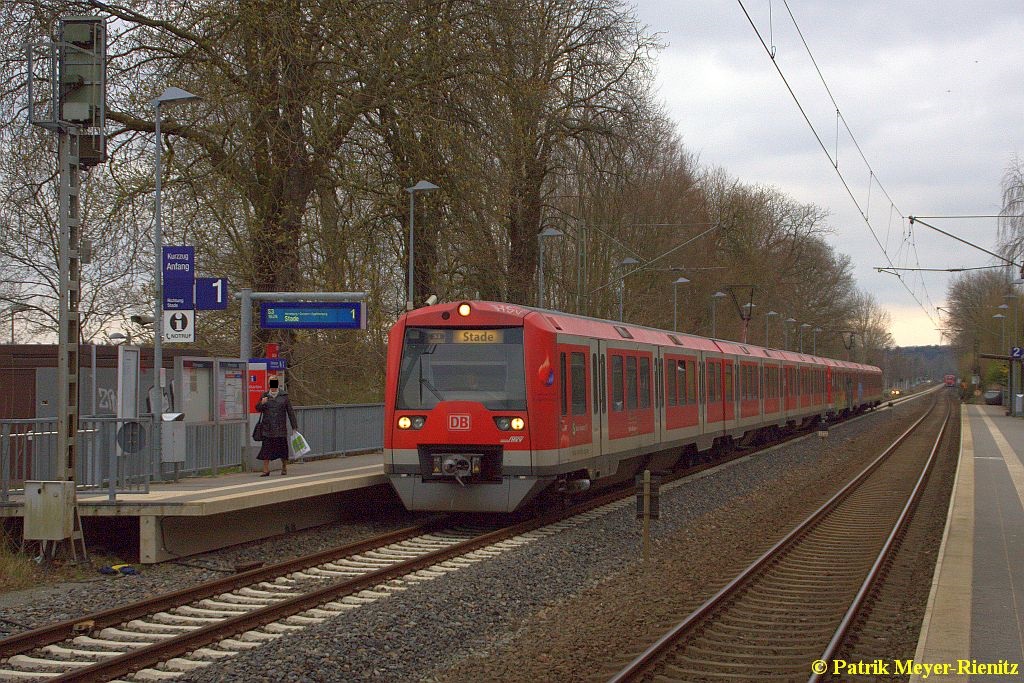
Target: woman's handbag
(257, 431)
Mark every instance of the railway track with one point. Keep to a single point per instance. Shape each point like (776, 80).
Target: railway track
(177, 633)
(172, 634)
(794, 605)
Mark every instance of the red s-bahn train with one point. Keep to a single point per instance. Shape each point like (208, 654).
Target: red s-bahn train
(489, 405)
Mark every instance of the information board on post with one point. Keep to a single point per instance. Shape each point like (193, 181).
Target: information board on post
(179, 263)
(337, 315)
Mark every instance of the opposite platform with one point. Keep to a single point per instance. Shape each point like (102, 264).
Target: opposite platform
(976, 607)
(198, 514)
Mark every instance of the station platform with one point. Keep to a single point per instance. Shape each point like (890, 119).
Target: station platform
(199, 514)
(976, 607)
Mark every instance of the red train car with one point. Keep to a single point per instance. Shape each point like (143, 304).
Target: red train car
(950, 380)
(487, 405)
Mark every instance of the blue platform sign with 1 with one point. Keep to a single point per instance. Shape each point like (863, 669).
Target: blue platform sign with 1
(340, 315)
(211, 293)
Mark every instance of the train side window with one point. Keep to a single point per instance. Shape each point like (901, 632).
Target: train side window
(565, 401)
(594, 374)
(670, 377)
(631, 382)
(645, 383)
(728, 381)
(617, 396)
(578, 373)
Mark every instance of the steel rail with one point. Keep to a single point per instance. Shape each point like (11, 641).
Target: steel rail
(641, 663)
(883, 554)
(61, 631)
(172, 647)
(55, 633)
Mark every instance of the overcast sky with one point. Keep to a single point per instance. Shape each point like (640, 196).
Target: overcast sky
(933, 93)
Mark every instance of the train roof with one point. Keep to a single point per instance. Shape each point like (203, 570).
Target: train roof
(492, 313)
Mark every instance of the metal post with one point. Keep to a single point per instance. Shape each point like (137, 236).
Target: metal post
(714, 306)
(412, 262)
(69, 334)
(245, 331)
(622, 286)
(647, 515)
(158, 320)
(540, 269)
(675, 307)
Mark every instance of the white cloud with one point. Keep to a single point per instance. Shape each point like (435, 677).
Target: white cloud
(931, 91)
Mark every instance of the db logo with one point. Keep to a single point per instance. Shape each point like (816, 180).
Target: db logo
(458, 423)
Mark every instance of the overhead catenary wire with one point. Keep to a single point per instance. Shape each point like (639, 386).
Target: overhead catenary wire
(834, 159)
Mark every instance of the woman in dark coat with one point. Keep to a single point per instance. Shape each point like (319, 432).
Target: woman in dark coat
(276, 412)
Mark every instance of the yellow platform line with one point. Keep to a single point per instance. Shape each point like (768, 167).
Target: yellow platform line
(946, 628)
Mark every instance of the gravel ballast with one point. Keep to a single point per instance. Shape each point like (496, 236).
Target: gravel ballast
(551, 609)
(27, 609)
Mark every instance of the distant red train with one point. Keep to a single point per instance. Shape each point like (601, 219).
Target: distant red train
(488, 405)
(950, 380)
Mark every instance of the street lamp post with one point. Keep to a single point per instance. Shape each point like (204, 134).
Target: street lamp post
(1014, 367)
(714, 306)
(623, 264)
(675, 302)
(814, 348)
(767, 317)
(785, 331)
(803, 327)
(546, 232)
(16, 308)
(169, 96)
(1002, 339)
(421, 186)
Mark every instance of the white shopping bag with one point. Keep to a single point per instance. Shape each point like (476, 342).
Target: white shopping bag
(298, 444)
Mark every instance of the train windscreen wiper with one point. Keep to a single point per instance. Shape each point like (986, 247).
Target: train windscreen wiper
(426, 382)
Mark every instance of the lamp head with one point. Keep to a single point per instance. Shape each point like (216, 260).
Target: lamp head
(173, 95)
(422, 186)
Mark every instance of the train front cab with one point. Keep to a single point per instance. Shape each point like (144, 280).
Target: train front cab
(459, 433)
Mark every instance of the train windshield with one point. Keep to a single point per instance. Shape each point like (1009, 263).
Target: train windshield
(449, 364)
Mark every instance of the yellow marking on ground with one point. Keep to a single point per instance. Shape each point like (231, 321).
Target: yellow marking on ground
(946, 628)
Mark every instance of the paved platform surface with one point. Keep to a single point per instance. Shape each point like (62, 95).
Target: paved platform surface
(197, 514)
(976, 608)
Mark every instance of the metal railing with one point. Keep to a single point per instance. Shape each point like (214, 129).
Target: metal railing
(115, 454)
(28, 452)
(342, 429)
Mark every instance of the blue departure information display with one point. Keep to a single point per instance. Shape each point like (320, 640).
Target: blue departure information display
(330, 315)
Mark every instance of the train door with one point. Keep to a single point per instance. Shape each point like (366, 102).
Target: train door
(596, 397)
(575, 422)
(604, 364)
(716, 404)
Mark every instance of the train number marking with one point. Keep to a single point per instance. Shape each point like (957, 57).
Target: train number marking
(459, 423)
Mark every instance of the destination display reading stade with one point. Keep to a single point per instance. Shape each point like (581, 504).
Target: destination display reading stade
(335, 315)
(466, 337)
